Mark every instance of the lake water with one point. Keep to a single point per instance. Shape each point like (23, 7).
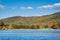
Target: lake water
(29, 34)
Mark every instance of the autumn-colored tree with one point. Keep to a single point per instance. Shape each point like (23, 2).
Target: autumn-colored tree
(53, 25)
(36, 27)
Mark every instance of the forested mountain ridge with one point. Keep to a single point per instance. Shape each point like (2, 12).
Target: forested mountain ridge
(41, 21)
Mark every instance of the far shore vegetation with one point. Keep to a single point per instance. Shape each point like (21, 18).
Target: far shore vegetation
(52, 25)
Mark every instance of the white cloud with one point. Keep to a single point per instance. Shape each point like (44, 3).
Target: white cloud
(1, 6)
(56, 5)
(26, 8)
(29, 8)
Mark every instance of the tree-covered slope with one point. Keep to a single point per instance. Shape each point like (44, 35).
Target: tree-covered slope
(42, 21)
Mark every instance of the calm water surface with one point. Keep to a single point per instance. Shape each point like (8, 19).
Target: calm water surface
(29, 34)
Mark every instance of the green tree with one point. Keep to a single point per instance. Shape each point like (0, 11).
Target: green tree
(45, 26)
(32, 26)
(38, 27)
(58, 24)
(1, 24)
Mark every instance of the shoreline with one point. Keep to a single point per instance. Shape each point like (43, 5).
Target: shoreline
(33, 29)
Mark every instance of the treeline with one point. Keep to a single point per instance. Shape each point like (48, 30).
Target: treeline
(5, 26)
(18, 26)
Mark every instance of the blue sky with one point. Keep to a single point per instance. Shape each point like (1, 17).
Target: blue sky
(9, 8)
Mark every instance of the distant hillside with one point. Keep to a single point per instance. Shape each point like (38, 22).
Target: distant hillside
(34, 20)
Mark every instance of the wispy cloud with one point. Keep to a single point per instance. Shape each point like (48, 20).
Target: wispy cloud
(56, 5)
(1, 6)
(13, 8)
(23, 8)
(26, 8)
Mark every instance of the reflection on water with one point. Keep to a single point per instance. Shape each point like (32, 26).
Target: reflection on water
(29, 34)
